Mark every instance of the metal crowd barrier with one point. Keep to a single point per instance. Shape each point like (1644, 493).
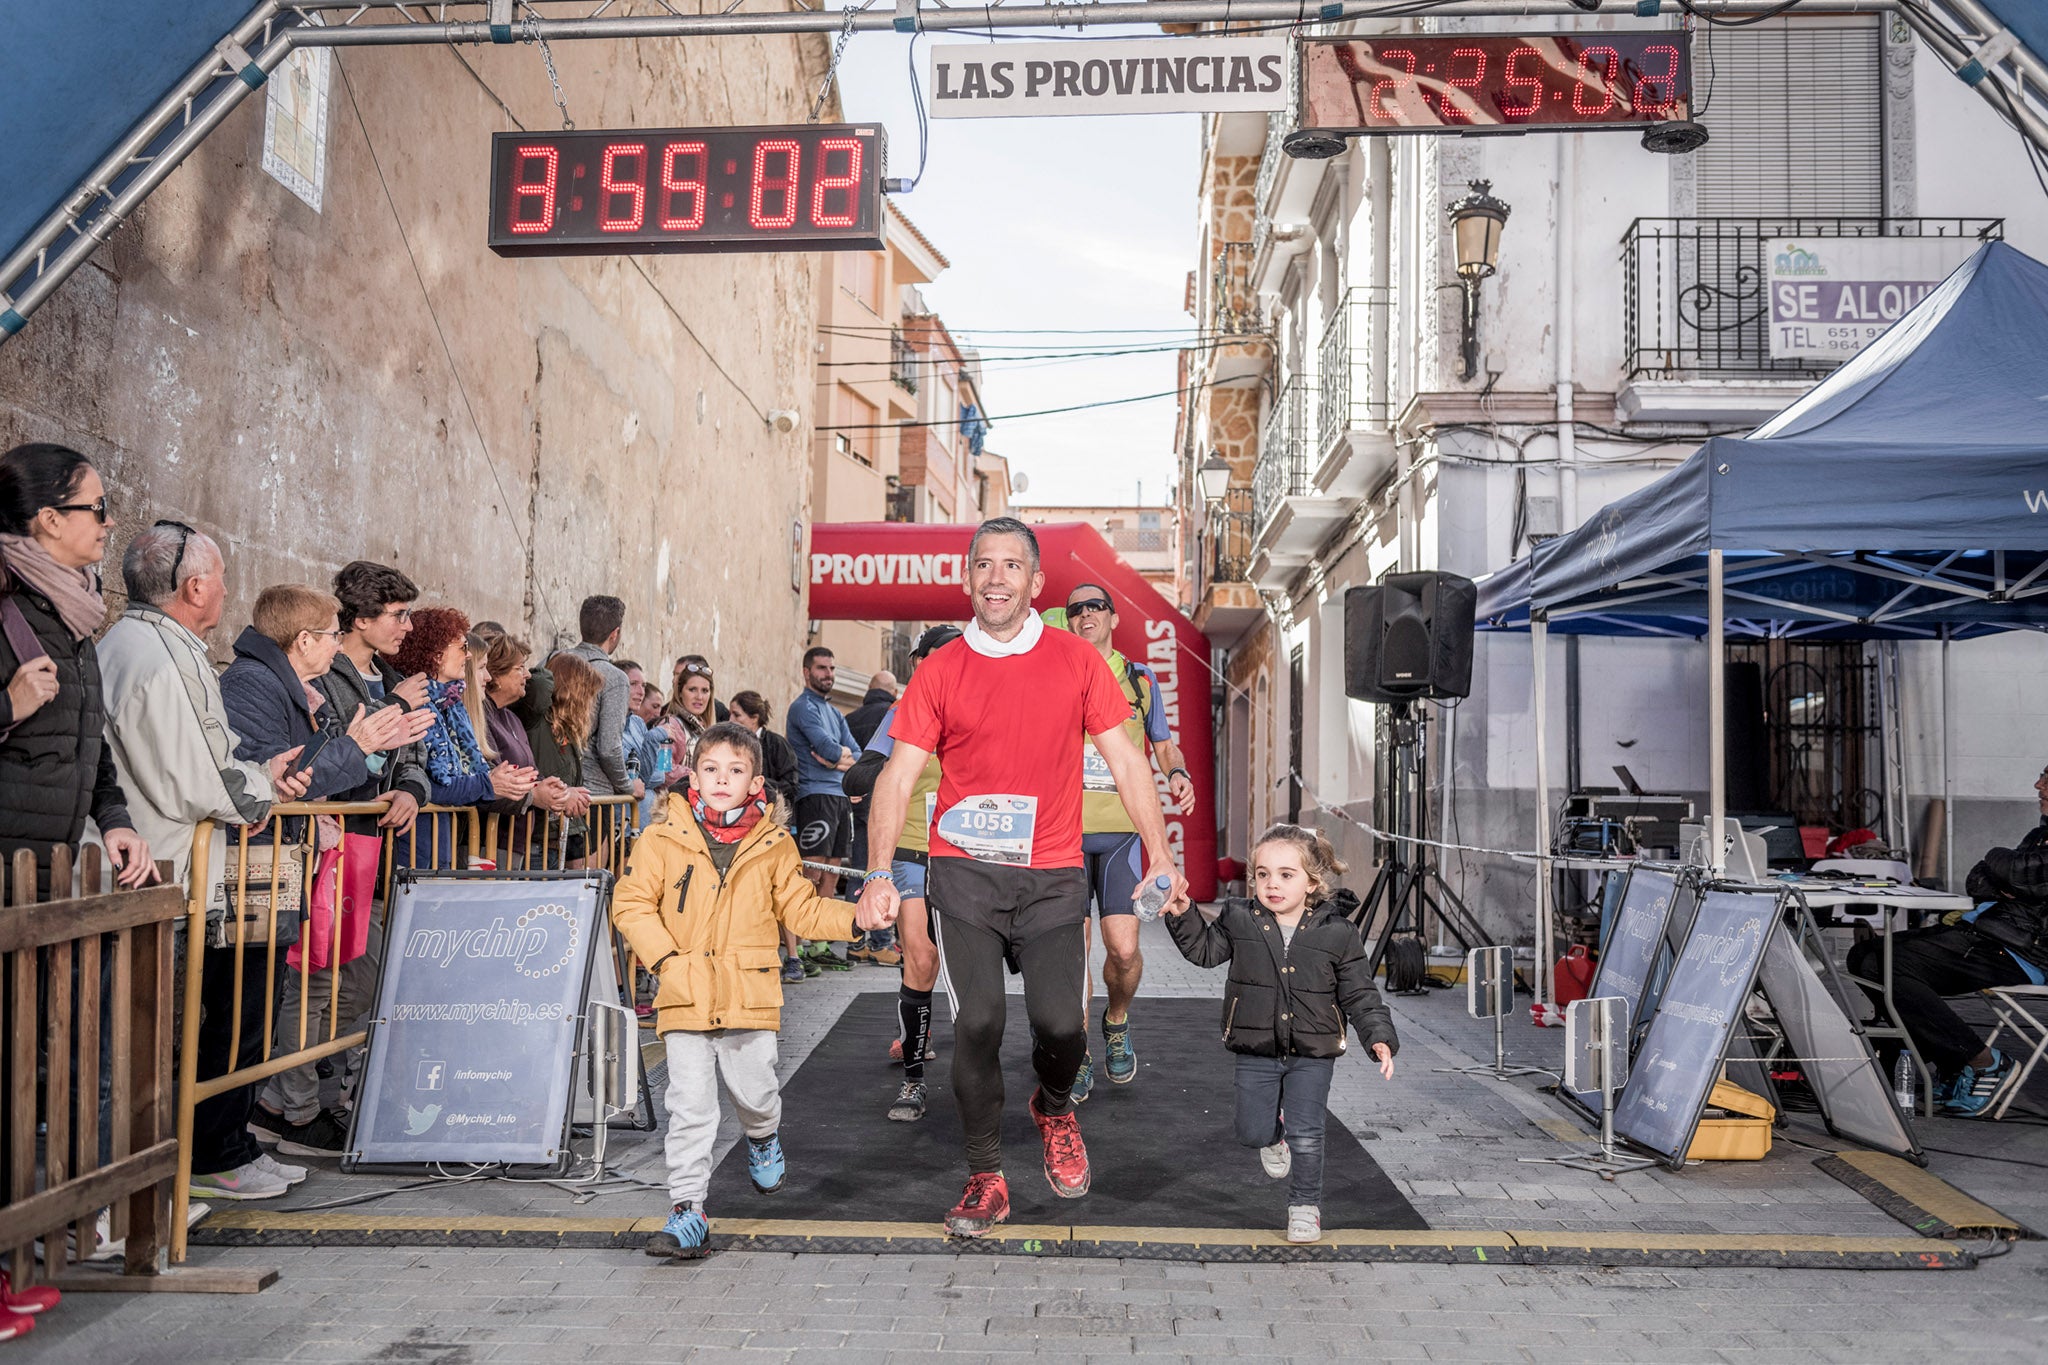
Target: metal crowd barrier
(280, 863)
(72, 965)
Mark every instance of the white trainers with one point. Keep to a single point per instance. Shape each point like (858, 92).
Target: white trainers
(1277, 1160)
(1304, 1223)
(250, 1181)
(291, 1174)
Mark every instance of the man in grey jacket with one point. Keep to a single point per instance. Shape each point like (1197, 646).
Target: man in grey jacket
(175, 751)
(602, 621)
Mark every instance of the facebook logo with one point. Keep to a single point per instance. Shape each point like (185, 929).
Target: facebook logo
(432, 1076)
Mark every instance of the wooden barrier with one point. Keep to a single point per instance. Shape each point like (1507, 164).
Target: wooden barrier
(53, 956)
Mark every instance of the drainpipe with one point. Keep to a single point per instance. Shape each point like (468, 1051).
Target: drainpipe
(1567, 227)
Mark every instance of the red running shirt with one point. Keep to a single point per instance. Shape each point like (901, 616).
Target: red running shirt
(1009, 730)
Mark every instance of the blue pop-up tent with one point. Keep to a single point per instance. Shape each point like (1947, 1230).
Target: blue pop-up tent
(1906, 496)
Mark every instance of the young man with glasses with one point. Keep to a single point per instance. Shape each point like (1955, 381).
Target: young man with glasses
(1111, 851)
(1005, 708)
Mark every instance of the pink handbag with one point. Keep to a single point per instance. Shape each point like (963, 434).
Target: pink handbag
(348, 874)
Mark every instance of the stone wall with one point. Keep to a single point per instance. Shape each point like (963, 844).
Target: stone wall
(371, 381)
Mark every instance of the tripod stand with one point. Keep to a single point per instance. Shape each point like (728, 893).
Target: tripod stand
(1408, 885)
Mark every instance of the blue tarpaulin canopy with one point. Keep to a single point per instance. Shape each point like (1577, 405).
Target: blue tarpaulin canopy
(1906, 493)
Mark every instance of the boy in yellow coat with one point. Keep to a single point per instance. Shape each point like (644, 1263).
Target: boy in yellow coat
(703, 902)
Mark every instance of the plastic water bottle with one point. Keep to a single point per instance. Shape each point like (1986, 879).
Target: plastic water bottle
(1905, 1082)
(1153, 899)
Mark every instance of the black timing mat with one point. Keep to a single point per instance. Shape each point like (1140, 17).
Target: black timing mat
(1162, 1148)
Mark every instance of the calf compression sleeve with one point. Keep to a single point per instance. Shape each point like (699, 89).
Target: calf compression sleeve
(914, 1013)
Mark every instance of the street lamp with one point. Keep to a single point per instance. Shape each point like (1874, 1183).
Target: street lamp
(1476, 223)
(1213, 478)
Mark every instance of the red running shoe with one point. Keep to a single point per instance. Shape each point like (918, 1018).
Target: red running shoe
(1066, 1158)
(13, 1324)
(985, 1204)
(34, 1299)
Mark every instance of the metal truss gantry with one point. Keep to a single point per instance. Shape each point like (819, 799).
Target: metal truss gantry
(1962, 32)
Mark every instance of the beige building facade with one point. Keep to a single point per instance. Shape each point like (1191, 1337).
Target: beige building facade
(1147, 538)
(367, 380)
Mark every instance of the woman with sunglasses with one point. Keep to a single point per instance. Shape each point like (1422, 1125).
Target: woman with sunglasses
(55, 767)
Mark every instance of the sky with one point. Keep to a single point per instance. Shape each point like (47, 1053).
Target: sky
(1081, 224)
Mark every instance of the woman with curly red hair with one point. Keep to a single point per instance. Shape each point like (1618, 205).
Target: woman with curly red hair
(457, 770)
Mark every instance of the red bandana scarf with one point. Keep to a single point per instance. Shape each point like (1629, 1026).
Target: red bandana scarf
(727, 827)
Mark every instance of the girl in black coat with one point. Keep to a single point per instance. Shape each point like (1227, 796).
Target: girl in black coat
(1298, 971)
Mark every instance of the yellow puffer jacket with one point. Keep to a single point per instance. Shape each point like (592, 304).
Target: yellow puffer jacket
(713, 942)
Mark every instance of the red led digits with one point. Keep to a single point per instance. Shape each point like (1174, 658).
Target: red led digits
(524, 189)
(1517, 81)
(849, 183)
(673, 184)
(1387, 85)
(1454, 111)
(633, 189)
(1648, 87)
(764, 184)
(1610, 70)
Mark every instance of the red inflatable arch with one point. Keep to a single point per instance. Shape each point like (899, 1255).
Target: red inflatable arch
(906, 571)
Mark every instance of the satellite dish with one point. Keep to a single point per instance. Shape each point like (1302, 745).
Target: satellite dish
(1020, 483)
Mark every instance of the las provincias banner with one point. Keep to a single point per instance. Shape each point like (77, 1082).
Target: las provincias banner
(905, 571)
(1109, 76)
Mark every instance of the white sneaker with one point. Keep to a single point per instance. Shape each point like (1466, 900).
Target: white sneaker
(1304, 1223)
(250, 1181)
(1277, 1160)
(292, 1174)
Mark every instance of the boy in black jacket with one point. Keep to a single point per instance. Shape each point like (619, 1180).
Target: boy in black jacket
(1298, 970)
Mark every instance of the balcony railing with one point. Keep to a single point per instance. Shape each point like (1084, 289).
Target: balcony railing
(1345, 399)
(1269, 174)
(902, 362)
(1233, 300)
(1283, 467)
(1147, 540)
(1693, 288)
(1230, 537)
(900, 504)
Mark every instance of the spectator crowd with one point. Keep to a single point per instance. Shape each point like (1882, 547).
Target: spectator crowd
(128, 737)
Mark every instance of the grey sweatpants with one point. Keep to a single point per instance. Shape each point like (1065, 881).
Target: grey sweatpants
(296, 1093)
(745, 1059)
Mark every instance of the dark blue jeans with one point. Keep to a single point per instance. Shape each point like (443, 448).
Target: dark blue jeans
(1299, 1087)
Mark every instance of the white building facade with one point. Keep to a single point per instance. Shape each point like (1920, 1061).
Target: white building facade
(1621, 328)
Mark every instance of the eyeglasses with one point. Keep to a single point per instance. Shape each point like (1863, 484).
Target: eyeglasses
(698, 670)
(98, 509)
(330, 634)
(1087, 604)
(396, 613)
(184, 539)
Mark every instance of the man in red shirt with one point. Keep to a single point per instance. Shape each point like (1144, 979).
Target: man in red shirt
(1005, 708)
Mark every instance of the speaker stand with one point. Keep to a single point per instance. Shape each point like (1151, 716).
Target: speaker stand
(1408, 883)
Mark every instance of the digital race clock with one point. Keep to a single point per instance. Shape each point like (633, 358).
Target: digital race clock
(803, 187)
(1495, 83)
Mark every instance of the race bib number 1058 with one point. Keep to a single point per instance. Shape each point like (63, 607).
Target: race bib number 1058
(996, 828)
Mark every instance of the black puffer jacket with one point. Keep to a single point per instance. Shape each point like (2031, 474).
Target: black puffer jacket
(55, 768)
(2016, 881)
(1291, 1000)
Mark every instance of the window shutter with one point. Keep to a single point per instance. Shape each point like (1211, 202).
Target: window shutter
(1795, 117)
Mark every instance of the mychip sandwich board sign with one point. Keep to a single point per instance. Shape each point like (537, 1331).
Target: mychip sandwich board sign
(479, 1019)
(1630, 959)
(1701, 1007)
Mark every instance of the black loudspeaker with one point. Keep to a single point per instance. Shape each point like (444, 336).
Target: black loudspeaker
(1748, 740)
(1409, 637)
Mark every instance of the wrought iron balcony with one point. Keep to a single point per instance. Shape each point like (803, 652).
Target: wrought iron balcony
(1693, 289)
(1345, 399)
(902, 361)
(1233, 301)
(1229, 535)
(1284, 459)
(1269, 175)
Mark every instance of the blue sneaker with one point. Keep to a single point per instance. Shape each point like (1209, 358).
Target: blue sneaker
(1117, 1058)
(764, 1163)
(1085, 1080)
(685, 1234)
(1975, 1089)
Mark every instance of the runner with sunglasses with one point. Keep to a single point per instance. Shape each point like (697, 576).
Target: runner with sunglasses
(1006, 708)
(1111, 851)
